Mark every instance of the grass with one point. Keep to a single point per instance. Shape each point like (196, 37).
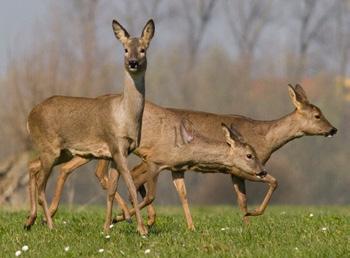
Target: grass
(282, 232)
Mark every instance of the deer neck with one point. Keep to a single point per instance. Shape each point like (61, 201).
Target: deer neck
(283, 130)
(134, 93)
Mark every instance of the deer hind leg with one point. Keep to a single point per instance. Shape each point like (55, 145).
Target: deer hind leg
(33, 169)
(65, 171)
(239, 188)
(272, 182)
(179, 182)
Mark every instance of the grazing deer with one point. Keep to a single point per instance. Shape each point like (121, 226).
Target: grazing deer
(264, 136)
(106, 127)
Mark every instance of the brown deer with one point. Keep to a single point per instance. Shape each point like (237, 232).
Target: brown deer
(264, 136)
(106, 127)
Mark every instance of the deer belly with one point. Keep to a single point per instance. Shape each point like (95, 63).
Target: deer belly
(97, 151)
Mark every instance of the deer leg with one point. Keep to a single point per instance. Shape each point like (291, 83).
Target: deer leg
(65, 171)
(47, 162)
(100, 172)
(112, 184)
(239, 187)
(151, 215)
(179, 182)
(121, 164)
(33, 169)
(272, 187)
(152, 178)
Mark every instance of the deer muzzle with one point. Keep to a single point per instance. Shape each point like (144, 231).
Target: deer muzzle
(261, 174)
(133, 64)
(332, 132)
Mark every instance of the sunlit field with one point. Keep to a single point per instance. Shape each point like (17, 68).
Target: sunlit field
(284, 231)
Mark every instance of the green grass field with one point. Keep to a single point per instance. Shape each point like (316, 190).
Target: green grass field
(282, 232)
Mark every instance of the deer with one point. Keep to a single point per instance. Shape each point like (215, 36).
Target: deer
(264, 136)
(107, 127)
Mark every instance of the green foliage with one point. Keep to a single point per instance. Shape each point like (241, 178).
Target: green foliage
(282, 232)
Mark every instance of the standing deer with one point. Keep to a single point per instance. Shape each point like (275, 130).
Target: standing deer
(106, 127)
(264, 136)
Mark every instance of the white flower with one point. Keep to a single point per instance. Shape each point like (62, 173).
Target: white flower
(108, 237)
(101, 250)
(111, 226)
(64, 222)
(324, 229)
(143, 236)
(147, 251)
(66, 248)
(311, 215)
(25, 248)
(223, 229)
(296, 248)
(18, 253)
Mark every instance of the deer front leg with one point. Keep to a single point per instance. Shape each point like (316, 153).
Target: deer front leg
(120, 161)
(112, 184)
(101, 171)
(179, 182)
(33, 169)
(151, 177)
(65, 171)
(239, 188)
(272, 187)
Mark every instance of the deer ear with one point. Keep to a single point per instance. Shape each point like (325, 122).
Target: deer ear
(296, 97)
(235, 133)
(120, 33)
(148, 32)
(187, 132)
(301, 92)
(230, 138)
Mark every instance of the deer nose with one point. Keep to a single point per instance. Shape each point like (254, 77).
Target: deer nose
(133, 63)
(333, 131)
(262, 174)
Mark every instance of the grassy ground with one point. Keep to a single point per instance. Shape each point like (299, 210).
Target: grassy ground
(281, 232)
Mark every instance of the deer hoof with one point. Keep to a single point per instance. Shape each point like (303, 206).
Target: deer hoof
(27, 227)
(142, 230)
(129, 220)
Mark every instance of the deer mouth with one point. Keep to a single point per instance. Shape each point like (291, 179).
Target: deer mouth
(262, 174)
(133, 69)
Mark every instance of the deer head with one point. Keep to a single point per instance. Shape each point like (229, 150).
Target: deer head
(241, 154)
(310, 119)
(135, 60)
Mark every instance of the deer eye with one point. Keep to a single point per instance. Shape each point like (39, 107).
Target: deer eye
(249, 156)
(142, 50)
(317, 116)
(126, 50)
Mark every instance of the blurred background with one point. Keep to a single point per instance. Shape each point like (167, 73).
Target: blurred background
(220, 56)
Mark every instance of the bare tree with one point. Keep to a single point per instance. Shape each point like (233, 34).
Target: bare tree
(197, 16)
(247, 21)
(312, 17)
